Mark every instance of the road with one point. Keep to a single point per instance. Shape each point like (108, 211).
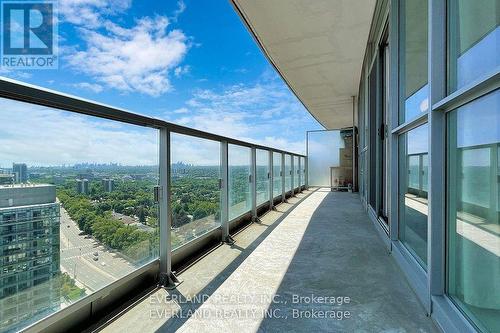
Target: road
(77, 254)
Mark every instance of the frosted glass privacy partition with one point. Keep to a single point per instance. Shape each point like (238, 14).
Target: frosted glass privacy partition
(329, 158)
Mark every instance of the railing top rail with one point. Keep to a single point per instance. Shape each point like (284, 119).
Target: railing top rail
(24, 92)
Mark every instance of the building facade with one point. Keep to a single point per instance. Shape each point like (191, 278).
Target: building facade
(20, 171)
(82, 186)
(429, 143)
(29, 253)
(108, 184)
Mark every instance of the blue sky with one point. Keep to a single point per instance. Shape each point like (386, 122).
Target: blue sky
(189, 62)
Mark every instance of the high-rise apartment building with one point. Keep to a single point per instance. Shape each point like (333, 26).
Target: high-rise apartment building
(20, 171)
(82, 186)
(108, 184)
(29, 253)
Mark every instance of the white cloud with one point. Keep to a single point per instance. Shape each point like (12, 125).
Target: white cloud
(265, 113)
(181, 111)
(91, 13)
(181, 7)
(15, 73)
(41, 136)
(182, 70)
(94, 87)
(136, 59)
(192, 150)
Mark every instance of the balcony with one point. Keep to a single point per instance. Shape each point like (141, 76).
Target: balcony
(179, 229)
(258, 236)
(320, 244)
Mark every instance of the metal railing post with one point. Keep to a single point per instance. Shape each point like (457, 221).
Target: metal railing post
(167, 277)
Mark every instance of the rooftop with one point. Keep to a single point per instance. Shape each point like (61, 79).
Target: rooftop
(26, 194)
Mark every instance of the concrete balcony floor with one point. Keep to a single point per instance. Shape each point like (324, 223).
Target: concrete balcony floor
(321, 243)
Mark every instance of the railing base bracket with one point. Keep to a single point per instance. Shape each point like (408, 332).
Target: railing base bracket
(169, 282)
(229, 240)
(257, 220)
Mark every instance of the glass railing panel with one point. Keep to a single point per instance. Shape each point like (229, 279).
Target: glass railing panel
(288, 173)
(277, 175)
(262, 177)
(240, 198)
(302, 171)
(80, 195)
(296, 172)
(195, 198)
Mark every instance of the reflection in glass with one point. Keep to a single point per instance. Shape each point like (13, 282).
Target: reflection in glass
(240, 199)
(413, 64)
(288, 173)
(295, 172)
(413, 156)
(195, 174)
(76, 207)
(473, 222)
(262, 180)
(277, 175)
(473, 44)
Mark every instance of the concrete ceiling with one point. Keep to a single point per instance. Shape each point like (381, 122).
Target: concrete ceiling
(317, 46)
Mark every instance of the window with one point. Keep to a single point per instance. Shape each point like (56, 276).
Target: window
(413, 59)
(262, 177)
(413, 205)
(240, 199)
(277, 175)
(195, 175)
(473, 208)
(473, 40)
